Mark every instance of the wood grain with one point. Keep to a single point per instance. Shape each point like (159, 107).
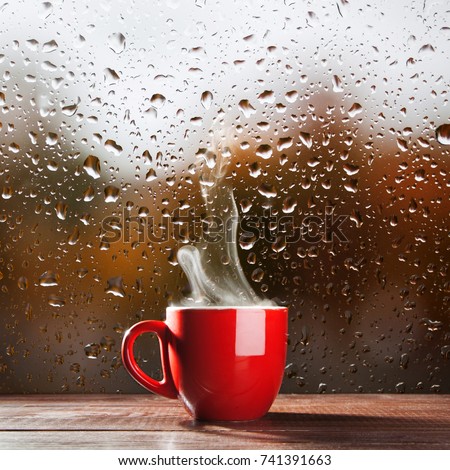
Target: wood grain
(294, 422)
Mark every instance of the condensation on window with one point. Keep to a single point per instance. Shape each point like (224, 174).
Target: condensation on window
(338, 130)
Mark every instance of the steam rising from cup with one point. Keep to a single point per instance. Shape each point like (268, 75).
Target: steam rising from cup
(213, 268)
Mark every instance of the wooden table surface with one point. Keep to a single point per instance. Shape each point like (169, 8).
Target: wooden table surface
(294, 422)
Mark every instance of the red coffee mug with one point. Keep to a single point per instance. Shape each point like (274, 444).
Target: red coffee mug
(224, 363)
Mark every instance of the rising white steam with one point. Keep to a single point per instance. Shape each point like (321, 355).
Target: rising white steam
(212, 267)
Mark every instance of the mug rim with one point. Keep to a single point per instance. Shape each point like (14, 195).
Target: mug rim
(227, 307)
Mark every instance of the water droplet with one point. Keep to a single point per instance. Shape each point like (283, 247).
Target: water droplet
(267, 190)
(289, 205)
(92, 166)
(404, 360)
(284, 143)
(143, 211)
(89, 194)
(74, 236)
(7, 192)
(306, 139)
(117, 42)
(115, 286)
(56, 301)
(92, 350)
(81, 381)
(419, 175)
(151, 175)
(82, 272)
(355, 109)
(393, 221)
(48, 279)
(247, 241)
(356, 217)
(291, 96)
(443, 134)
(337, 84)
(412, 206)
(258, 275)
(245, 205)
(51, 138)
(196, 121)
(423, 142)
(14, 148)
(111, 76)
(206, 99)
(113, 147)
(50, 46)
(52, 165)
(264, 151)
(22, 283)
(432, 325)
(254, 170)
(351, 186)
(426, 49)
(111, 193)
(61, 210)
(267, 96)
(70, 109)
(32, 44)
(279, 244)
(246, 108)
(402, 145)
(151, 113)
(313, 162)
(157, 100)
(351, 169)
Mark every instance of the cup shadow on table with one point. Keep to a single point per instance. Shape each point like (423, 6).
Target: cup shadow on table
(326, 429)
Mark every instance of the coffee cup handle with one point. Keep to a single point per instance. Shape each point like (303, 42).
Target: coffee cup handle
(165, 387)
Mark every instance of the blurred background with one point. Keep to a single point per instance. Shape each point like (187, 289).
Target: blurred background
(333, 107)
